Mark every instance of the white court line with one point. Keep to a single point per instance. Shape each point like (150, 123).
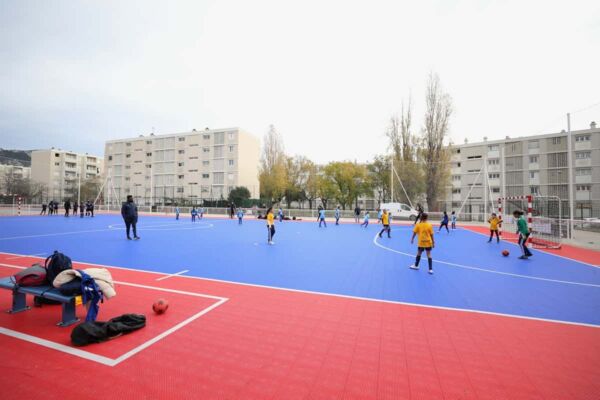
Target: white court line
(29, 255)
(344, 296)
(171, 275)
(376, 243)
(110, 361)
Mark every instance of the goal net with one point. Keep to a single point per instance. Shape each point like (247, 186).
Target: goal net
(544, 219)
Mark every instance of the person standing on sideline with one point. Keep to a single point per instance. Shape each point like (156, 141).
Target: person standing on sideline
(194, 212)
(81, 206)
(280, 214)
(201, 212)
(270, 225)
(425, 243)
(319, 211)
(453, 218)
(322, 218)
(177, 212)
(444, 222)
(44, 206)
(379, 214)
(67, 208)
(495, 222)
(366, 220)
(356, 214)
(129, 212)
(523, 232)
(75, 208)
(337, 215)
(231, 210)
(92, 208)
(385, 220)
(240, 215)
(419, 213)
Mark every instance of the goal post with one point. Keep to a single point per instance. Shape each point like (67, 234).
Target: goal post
(544, 219)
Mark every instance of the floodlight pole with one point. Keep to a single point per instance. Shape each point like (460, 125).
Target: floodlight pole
(79, 190)
(392, 179)
(570, 160)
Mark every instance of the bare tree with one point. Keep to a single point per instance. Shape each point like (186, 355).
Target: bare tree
(435, 130)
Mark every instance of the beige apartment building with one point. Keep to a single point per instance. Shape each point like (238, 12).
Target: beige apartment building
(533, 165)
(196, 165)
(61, 170)
(8, 171)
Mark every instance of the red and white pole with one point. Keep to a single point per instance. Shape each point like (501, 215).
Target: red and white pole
(18, 206)
(500, 215)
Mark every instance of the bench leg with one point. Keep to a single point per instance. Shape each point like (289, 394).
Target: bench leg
(69, 316)
(19, 303)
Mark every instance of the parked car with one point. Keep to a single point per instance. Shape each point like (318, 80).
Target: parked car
(400, 210)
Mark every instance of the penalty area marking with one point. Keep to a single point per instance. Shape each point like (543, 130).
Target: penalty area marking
(376, 243)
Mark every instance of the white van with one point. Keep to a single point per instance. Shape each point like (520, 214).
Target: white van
(400, 210)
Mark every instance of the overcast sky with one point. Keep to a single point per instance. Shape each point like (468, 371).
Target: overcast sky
(327, 74)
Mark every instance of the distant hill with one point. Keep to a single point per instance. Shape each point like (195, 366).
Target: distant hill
(15, 157)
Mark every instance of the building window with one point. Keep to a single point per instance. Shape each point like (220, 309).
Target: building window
(148, 141)
(109, 158)
(219, 137)
(230, 177)
(148, 154)
(583, 155)
(493, 147)
(474, 157)
(494, 161)
(128, 167)
(193, 158)
(180, 164)
(180, 176)
(455, 191)
(533, 144)
(231, 163)
(582, 138)
(556, 140)
(458, 165)
(583, 172)
(535, 190)
(494, 176)
(181, 151)
(533, 174)
(231, 148)
(533, 159)
(231, 135)
(206, 137)
(57, 164)
(205, 149)
(179, 190)
(456, 177)
(181, 139)
(193, 170)
(583, 188)
(127, 155)
(495, 190)
(128, 144)
(148, 165)
(205, 176)
(205, 162)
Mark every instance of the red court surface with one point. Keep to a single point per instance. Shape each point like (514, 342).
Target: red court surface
(265, 343)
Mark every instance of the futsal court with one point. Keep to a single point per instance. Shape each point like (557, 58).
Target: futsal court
(325, 313)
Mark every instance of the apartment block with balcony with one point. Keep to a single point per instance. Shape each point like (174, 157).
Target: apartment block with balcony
(536, 165)
(60, 170)
(194, 165)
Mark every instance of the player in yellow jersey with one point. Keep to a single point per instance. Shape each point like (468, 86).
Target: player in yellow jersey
(270, 225)
(495, 222)
(426, 242)
(385, 220)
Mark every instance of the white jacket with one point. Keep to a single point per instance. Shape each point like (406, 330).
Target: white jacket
(102, 277)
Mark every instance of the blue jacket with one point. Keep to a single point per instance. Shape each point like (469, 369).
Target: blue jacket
(322, 214)
(129, 211)
(92, 293)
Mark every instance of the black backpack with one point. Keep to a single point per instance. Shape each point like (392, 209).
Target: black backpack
(55, 264)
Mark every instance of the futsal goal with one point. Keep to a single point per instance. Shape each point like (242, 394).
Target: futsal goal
(544, 219)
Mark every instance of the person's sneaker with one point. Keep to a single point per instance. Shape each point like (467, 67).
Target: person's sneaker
(489, 240)
(414, 267)
(128, 238)
(430, 272)
(523, 258)
(136, 238)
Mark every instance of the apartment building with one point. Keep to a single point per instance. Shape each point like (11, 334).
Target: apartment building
(9, 171)
(196, 165)
(61, 170)
(536, 165)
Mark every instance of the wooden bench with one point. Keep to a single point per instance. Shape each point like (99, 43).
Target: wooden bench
(19, 302)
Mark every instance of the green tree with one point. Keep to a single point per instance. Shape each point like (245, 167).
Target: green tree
(311, 183)
(349, 180)
(379, 174)
(296, 176)
(239, 196)
(326, 189)
(272, 171)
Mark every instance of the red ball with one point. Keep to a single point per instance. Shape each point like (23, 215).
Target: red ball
(160, 306)
(505, 253)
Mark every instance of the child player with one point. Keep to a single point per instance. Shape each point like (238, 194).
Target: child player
(194, 213)
(337, 215)
(270, 225)
(453, 219)
(385, 220)
(240, 215)
(495, 222)
(523, 232)
(366, 220)
(322, 217)
(379, 214)
(444, 222)
(425, 232)
(176, 212)
(280, 214)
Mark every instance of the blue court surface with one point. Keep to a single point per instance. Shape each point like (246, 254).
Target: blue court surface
(470, 274)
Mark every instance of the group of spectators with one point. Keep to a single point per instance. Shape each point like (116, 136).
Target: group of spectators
(52, 208)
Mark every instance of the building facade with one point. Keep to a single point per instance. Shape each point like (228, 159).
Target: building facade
(195, 166)
(534, 165)
(8, 172)
(61, 170)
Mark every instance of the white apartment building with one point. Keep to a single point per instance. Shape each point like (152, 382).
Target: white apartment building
(196, 165)
(61, 170)
(533, 165)
(16, 171)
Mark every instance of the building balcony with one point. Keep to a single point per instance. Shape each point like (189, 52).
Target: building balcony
(534, 166)
(494, 182)
(583, 145)
(493, 154)
(493, 168)
(534, 181)
(583, 179)
(587, 162)
(582, 195)
(534, 151)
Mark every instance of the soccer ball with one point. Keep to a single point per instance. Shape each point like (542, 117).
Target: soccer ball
(160, 306)
(505, 253)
